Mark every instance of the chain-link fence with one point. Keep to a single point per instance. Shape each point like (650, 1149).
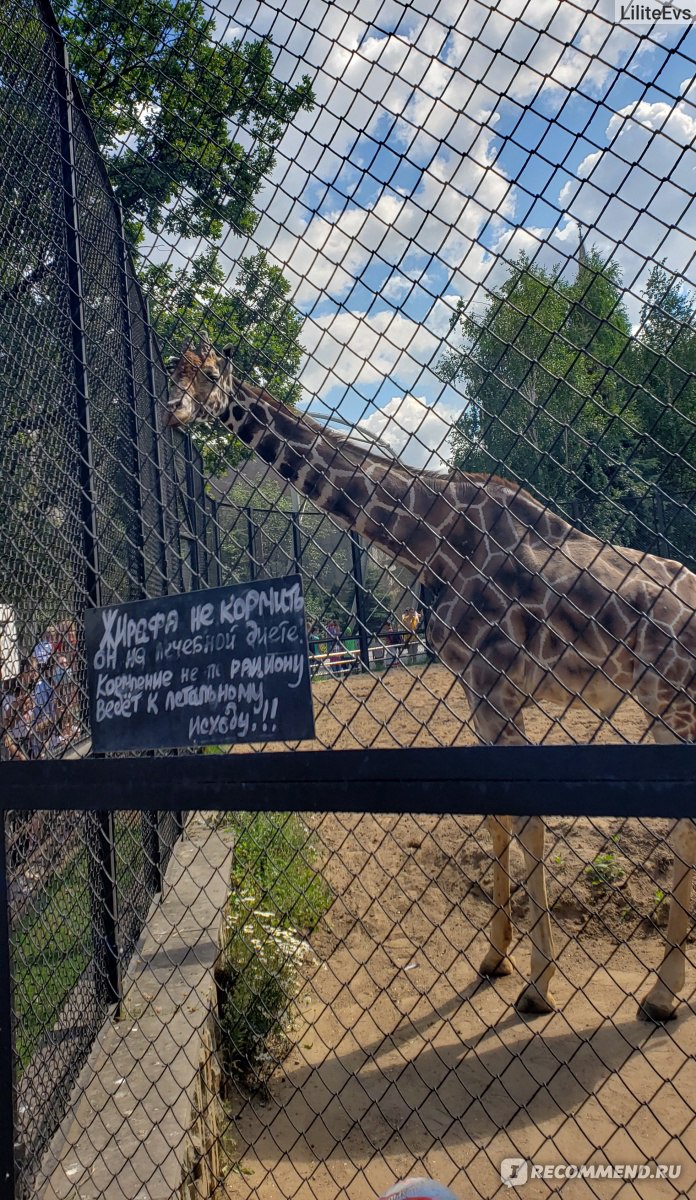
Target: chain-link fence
(423, 279)
(96, 505)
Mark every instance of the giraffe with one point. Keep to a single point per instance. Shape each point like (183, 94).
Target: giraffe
(525, 608)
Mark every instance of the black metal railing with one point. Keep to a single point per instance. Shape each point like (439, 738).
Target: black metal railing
(98, 507)
(353, 898)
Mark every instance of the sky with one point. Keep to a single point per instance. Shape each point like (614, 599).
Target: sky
(447, 137)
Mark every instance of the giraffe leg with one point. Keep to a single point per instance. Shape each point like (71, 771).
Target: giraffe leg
(497, 712)
(536, 997)
(497, 960)
(660, 1004)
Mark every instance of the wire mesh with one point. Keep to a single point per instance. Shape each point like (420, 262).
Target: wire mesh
(81, 456)
(425, 277)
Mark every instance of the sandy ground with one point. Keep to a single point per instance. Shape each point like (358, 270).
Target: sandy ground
(405, 1062)
(426, 706)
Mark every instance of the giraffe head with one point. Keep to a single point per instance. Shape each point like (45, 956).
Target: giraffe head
(196, 391)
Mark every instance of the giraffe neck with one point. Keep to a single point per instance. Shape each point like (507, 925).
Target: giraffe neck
(376, 497)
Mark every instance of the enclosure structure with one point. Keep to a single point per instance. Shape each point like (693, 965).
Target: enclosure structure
(100, 504)
(401, 1060)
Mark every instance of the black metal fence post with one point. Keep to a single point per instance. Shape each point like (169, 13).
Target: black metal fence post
(217, 542)
(296, 542)
(104, 905)
(360, 606)
(191, 515)
(140, 530)
(153, 852)
(77, 321)
(659, 509)
(163, 565)
(103, 893)
(426, 598)
(251, 543)
(8, 1092)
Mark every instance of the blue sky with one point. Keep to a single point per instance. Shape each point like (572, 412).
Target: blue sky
(448, 136)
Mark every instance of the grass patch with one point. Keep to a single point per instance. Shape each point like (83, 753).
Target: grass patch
(604, 870)
(277, 899)
(51, 948)
(52, 943)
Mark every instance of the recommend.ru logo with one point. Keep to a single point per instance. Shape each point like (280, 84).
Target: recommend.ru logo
(514, 1172)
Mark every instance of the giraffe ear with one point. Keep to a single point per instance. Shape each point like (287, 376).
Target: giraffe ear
(227, 352)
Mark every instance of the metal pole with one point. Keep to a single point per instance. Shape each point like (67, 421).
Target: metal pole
(88, 508)
(163, 556)
(660, 523)
(217, 542)
(8, 1097)
(202, 504)
(296, 541)
(251, 544)
(426, 596)
(141, 531)
(103, 896)
(191, 507)
(153, 856)
(105, 909)
(360, 607)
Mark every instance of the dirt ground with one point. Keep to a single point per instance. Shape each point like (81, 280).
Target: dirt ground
(426, 706)
(404, 1061)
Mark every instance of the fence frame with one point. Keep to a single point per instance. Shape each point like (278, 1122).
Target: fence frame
(646, 781)
(642, 781)
(590, 781)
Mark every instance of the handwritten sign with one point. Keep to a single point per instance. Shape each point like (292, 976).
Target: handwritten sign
(205, 668)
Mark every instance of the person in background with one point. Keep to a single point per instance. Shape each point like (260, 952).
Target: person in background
(43, 716)
(333, 636)
(17, 718)
(64, 698)
(389, 636)
(44, 647)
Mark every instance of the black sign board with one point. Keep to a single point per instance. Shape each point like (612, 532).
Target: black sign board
(205, 668)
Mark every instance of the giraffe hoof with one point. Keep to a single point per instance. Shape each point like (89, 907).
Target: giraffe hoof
(495, 965)
(530, 1000)
(659, 1014)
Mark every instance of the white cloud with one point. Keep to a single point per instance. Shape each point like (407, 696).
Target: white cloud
(637, 195)
(432, 83)
(417, 432)
(324, 254)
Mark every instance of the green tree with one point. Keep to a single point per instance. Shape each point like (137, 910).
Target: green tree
(189, 126)
(665, 406)
(165, 99)
(546, 370)
(254, 316)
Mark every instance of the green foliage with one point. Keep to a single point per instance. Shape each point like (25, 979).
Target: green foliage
(564, 399)
(51, 947)
(165, 99)
(257, 982)
(253, 315)
(664, 401)
(188, 126)
(275, 852)
(604, 870)
(543, 369)
(277, 897)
